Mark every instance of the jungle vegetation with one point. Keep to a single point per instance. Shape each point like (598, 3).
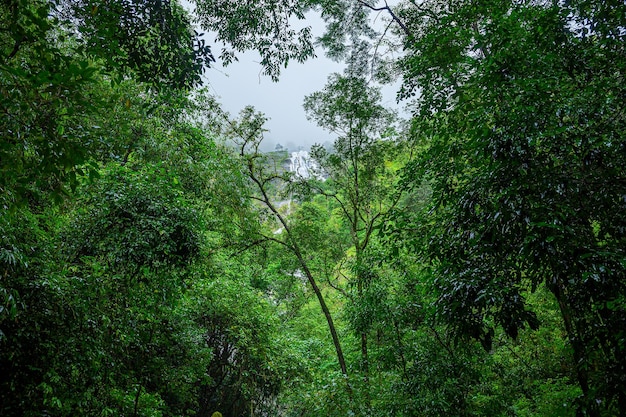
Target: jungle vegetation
(467, 261)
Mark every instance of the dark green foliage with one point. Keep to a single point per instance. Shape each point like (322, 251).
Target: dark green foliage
(525, 160)
(104, 324)
(137, 219)
(52, 93)
(246, 371)
(152, 38)
(43, 140)
(94, 315)
(123, 314)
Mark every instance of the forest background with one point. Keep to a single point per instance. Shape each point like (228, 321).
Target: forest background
(467, 261)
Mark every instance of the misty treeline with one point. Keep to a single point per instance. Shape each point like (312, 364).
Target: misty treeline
(465, 260)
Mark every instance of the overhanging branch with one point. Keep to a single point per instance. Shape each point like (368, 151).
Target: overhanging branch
(395, 17)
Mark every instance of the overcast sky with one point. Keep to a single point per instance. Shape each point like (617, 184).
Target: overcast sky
(241, 84)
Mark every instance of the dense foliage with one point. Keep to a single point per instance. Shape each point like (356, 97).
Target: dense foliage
(525, 160)
(467, 262)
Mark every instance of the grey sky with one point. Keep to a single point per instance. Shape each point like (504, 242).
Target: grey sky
(241, 84)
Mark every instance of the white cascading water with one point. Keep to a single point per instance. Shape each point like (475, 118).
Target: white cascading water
(303, 166)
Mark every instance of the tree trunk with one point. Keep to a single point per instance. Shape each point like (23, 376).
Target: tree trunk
(365, 367)
(322, 302)
(580, 359)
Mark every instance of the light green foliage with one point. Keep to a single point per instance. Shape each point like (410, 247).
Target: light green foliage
(323, 237)
(360, 190)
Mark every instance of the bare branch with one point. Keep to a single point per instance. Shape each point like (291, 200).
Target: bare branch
(247, 247)
(395, 18)
(16, 47)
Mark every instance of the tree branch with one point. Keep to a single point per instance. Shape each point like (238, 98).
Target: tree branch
(395, 18)
(16, 47)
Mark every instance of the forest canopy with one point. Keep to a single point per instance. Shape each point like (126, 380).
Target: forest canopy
(467, 261)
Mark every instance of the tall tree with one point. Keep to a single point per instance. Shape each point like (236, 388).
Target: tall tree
(247, 133)
(360, 173)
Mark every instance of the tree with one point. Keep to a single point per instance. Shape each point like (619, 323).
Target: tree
(247, 134)
(519, 105)
(101, 301)
(360, 176)
(132, 305)
(251, 360)
(54, 87)
(151, 39)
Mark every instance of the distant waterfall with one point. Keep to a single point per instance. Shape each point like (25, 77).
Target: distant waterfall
(303, 166)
